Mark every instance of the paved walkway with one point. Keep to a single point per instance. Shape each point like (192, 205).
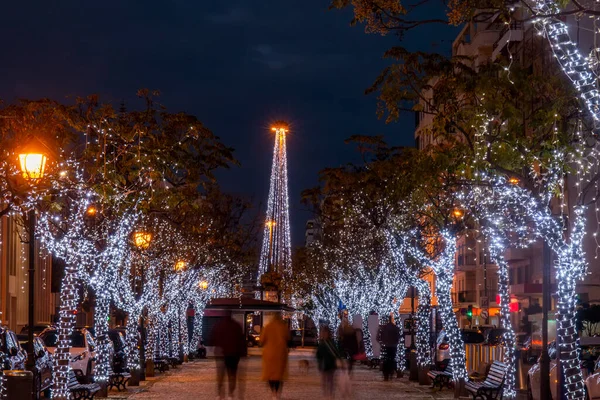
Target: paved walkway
(197, 380)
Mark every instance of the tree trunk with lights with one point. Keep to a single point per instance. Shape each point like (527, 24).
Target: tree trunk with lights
(458, 359)
(423, 322)
(101, 314)
(367, 337)
(133, 353)
(566, 331)
(69, 295)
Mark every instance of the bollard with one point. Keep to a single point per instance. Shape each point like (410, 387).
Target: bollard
(19, 384)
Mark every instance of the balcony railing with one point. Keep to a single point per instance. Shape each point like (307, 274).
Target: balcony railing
(467, 296)
(514, 26)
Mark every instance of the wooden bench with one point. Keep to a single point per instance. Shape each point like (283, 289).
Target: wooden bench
(491, 387)
(441, 378)
(173, 361)
(117, 379)
(81, 390)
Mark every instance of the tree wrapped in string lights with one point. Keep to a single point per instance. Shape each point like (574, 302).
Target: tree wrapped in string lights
(112, 255)
(66, 237)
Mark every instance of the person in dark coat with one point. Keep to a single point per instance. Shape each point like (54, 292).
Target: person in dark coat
(228, 339)
(327, 357)
(349, 343)
(389, 336)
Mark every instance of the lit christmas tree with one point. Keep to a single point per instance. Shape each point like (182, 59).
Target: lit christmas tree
(275, 257)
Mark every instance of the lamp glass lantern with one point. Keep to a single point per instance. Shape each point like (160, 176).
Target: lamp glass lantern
(142, 239)
(32, 165)
(180, 265)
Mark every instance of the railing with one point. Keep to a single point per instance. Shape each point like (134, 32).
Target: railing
(514, 26)
(467, 296)
(466, 259)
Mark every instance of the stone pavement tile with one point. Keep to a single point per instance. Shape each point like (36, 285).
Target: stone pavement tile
(197, 380)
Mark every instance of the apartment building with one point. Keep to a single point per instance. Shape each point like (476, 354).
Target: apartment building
(14, 288)
(476, 280)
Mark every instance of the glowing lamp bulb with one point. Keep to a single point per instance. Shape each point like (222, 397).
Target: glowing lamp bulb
(514, 180)
(142, 239)
(91, 211)
(457, 213)
(203, 285)
(180, 265)
(32, 165)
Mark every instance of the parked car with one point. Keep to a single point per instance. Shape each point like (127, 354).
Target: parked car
(83, 348)
(592, 382)
(442, 345)
(310, 338)
(23, 335)
(590, 348)
(120, 350)
(14, 356)
(44, 364)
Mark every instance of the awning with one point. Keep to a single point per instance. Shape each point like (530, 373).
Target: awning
(246, 304)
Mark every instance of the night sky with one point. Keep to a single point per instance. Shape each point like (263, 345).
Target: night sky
(237, 65)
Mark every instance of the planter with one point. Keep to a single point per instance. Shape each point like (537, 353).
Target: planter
(135, 378)
(423, 378)
(103, 392)
(149, 368)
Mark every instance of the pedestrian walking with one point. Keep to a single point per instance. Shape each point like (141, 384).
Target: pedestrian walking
(228, 339)
(389, 336)
(349, 343)
(327, 360)
(274, 340)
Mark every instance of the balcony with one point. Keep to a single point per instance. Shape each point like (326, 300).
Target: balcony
(467, 296)
(466, 261)
(512, 33)
(516, 254)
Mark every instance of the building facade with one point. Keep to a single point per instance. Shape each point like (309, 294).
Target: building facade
(476, 282)
(14, 288)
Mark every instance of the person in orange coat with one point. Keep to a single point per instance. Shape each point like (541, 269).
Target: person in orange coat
(274, 340)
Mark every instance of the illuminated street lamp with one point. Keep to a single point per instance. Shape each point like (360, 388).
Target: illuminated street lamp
(91, 211)
(514, 181)
(142, 239)
(180, 266)
(203, 285)
(458, 213)
(32, 166)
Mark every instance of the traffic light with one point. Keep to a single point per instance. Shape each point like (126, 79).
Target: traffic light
(470, 313)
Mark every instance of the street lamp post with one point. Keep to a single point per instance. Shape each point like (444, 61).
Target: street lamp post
(32, 167)
(180, 266)
(142, 241)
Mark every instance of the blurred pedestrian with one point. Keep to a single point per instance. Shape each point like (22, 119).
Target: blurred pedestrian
(274, 340)
(228, 339)
(389, 336)
(348, 342)
(327, 359)
(201, 352)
